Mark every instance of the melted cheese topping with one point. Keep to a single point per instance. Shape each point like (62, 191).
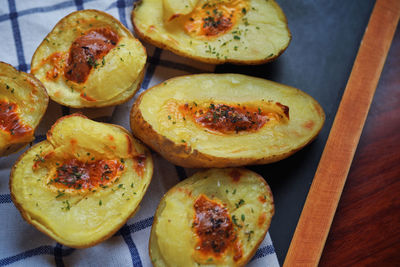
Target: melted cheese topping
(11, 123)
(86, 50)
(215, 231)
(227, 118)
(214, 18)
(85, 176)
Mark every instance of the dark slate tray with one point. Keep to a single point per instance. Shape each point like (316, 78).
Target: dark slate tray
(325, 39)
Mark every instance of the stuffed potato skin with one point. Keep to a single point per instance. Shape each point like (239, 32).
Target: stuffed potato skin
(90, 59)
(240, 199)
(111, 172)
(158, 120)
(254, 38)
(23, 102)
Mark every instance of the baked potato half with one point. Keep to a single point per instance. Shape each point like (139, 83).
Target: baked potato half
(83, 183)
(23, 102)
(214, 31)
(89, 59)
(216, 217)
(225, 120)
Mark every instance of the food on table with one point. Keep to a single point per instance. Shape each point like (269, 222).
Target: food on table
(214, 31)
(216, 217)
(225, 120)
(83, 183)
(90, 59)
(23, 102)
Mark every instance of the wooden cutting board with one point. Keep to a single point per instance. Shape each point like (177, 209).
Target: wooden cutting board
(322, 200)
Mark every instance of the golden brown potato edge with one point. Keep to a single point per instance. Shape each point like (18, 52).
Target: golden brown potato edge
(13, 148)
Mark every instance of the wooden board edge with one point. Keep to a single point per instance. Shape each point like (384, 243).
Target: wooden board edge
(316, 218)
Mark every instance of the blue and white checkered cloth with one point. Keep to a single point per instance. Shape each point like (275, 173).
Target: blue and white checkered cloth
(23, 25)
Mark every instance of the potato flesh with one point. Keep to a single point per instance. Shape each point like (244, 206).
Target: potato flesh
(304, 123)
(173, 8)
(76, 135)
(87, 217)
(121, 70)
(172, 221)
(261, 33)
(177, 215)
(109, 81)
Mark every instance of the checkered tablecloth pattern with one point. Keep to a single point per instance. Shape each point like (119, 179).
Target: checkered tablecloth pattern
(23, 25)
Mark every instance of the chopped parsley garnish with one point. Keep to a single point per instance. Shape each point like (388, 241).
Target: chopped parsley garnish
(38, 158)
(60, 194)
(249, 233)
(92, 62)
(67, 207)
(240, 203)
(235, 221)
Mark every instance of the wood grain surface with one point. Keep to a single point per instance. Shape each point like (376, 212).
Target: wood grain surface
(366, 227)
(316, 218)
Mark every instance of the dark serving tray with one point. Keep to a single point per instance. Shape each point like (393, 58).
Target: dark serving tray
(326, 36)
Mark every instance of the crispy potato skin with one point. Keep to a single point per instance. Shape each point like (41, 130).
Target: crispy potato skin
(186, 156)
(119, 99)
(211, 60)
(154, 252)
(35, 87)
(30, 217)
